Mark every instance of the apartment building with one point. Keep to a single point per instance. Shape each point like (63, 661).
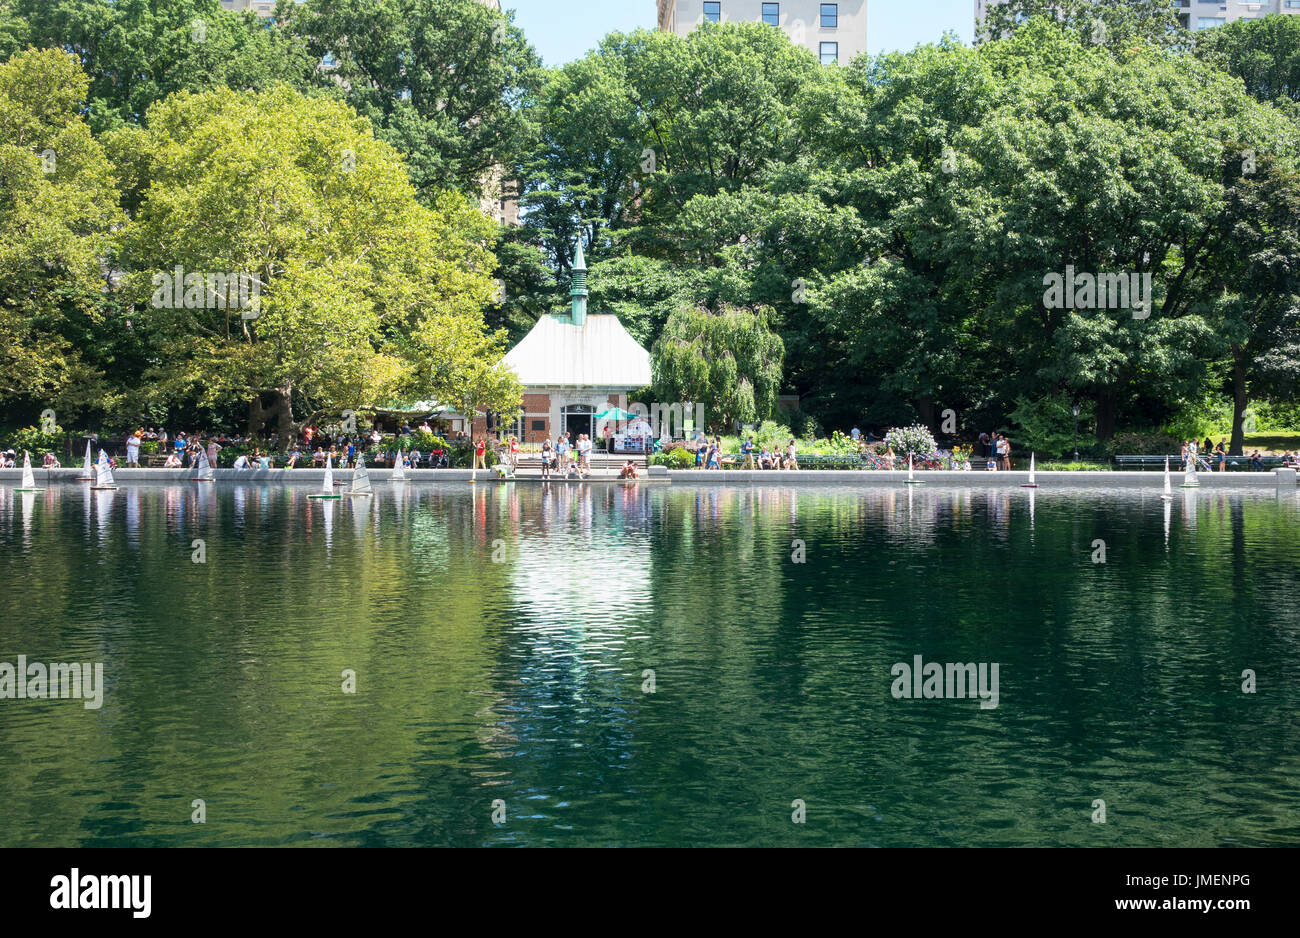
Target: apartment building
(1199, 14)
(834, 32)
(263, 8)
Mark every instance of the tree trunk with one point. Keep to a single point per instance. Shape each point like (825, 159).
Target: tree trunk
(925, 411)
(1240, 398)
(279, 411)
(1107, 405)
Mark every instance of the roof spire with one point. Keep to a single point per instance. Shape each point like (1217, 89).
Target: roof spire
(578, 291)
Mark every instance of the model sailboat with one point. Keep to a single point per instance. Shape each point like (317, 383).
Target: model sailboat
(1168, 496)
(1031, 484)
(361, 487)
(1189, 473)
(103, 474)
(399, 470)
(327, 487)
(911, 476)
(87, 468)
(203, 470)
(29, 478)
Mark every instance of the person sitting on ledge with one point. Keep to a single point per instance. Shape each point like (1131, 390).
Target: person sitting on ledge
(242, 462)
(51, 461)
(629, 470)
(765, 459)
(173, 461)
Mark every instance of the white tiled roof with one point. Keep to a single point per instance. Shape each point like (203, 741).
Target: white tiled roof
(599, 354)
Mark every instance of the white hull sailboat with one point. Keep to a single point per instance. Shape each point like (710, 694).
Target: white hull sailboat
(29, 477)
(399, 470)
(103, 475)
(1189, 474)
(911, 475)
(327, 487)
(361, 487)
(1168, 496)
(1031, 484)
(203, 471)
(87, 467)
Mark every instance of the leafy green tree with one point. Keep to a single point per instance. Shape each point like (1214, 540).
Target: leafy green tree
(1252, 283)
(443, 81)
(1115, 24)
(1263, 53)
(137, 52)
(296, 193)
(58, 203)
(729, 360)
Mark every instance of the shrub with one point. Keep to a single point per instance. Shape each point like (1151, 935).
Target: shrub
(1144, 444)
(913, 441)
(676, 458)
(1045, 426)
(35, 442)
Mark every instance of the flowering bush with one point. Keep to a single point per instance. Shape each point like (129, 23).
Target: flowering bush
(914, 441)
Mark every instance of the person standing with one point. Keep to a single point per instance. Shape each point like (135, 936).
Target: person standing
(747, 448)
(791, 462)
(480, 450)
(133, 449)
(213, 448)
(1004, 453)
(548, 454)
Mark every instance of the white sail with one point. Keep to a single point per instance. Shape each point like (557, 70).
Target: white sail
(909, 466)
(103, 474)
(29, 478)
(1031, 468)
(328, 487)
(204, 471)
(86, 467)
(1189, 471)
(361, 479)
(1169, 486)
(399, 470)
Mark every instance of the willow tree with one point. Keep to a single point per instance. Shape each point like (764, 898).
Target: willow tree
(296, 195)
(730, 361)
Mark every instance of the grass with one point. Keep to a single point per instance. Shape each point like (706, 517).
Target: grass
(1278, 442)
(1068, 466)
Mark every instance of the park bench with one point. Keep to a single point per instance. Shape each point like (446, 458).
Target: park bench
(1235, 463)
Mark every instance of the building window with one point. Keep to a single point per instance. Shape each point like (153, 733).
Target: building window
(830, 52)
(539, 426)
(713, 12)
(1209, 22)
(1292, 4)
(830, 16)
(772, 14)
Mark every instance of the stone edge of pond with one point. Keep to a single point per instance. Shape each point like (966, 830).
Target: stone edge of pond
(863, 478)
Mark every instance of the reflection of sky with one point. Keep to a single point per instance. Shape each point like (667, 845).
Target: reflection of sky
(580, 581)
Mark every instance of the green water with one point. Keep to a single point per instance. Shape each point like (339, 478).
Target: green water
(500, 634)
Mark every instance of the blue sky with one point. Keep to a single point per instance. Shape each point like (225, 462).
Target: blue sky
(563, 30)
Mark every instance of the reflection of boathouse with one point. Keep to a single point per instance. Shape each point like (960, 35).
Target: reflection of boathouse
(574, 366)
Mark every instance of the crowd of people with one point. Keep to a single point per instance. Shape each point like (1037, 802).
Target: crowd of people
(570, 459)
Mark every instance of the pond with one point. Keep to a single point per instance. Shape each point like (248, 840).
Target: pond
(600, 664)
